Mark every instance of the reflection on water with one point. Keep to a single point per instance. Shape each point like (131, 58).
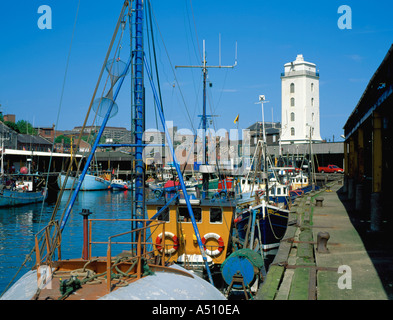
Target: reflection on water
(18, 226)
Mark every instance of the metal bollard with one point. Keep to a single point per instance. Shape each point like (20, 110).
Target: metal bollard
(319, 201)
(322, 239)
(85, 251)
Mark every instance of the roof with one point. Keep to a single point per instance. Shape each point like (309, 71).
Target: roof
(38, 153)
(29, 139)
(377, 91)
(270, 127)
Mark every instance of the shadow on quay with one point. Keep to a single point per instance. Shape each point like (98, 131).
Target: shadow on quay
(379, 245)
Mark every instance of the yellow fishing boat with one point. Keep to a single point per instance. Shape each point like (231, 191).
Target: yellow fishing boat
(214, 221)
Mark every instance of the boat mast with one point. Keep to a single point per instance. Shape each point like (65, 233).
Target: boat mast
(205, 175)
(265, 171)
(138, 110)
(205, 168)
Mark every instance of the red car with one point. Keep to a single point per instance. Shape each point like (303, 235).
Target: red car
(331, 168)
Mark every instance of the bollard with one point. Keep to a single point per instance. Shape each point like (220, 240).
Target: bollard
(322, 239)
(319, 201)
(85, 251)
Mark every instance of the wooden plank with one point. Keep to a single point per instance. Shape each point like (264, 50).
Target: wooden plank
(300, 283)
(271, 284)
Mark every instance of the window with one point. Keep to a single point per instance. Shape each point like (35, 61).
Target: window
(215, 215)
(312, 117)
(312, 87)
(292, 102)
(184, 216)
(312, 102)
(163, 216)
(292, 131)
(292, 88)
(292, 116)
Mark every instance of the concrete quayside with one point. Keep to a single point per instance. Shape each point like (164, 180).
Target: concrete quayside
(322, 256)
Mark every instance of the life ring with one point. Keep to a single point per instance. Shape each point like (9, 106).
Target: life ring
(219, 240)
(174, 239)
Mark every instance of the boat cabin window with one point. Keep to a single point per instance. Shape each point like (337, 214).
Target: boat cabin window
(163, 216)
(278, 191)
(184, 216)
(215, 215)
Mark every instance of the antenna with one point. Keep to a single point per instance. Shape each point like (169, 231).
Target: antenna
(219, 49)
(262, 101)
(235, 54)
(204, 66)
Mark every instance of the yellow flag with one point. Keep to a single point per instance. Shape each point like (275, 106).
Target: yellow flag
(236, 120)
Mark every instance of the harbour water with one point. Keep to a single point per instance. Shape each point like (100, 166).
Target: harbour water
(19, 225)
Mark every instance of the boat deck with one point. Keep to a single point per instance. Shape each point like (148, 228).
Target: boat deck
(93, 279)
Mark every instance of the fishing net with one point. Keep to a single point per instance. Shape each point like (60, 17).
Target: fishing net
(102, 105)
(116, 69)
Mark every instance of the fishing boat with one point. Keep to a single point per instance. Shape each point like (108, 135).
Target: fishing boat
(22, 189)
(118, 185)
(91, 182)
(143, 270)
(263, 225)
(213, 218)
(254, 185)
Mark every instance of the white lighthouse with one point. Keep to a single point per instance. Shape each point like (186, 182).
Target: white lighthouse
(300, 102)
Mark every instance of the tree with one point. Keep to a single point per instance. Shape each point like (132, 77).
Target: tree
(25, 127)
(67, 140)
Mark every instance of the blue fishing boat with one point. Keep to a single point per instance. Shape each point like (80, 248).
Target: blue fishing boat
(119, 185)
(17, 190)
(90, 182)
(266, 223)
(10, 198)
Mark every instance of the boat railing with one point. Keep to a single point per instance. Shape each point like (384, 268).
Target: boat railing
(47, 240)
(146, 224)
(142, 247)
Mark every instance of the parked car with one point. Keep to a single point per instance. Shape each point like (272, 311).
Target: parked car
(331, 168)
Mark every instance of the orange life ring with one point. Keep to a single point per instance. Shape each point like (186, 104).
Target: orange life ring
(220, 248)
(174, 239)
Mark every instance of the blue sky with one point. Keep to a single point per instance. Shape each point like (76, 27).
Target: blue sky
(268, 35)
